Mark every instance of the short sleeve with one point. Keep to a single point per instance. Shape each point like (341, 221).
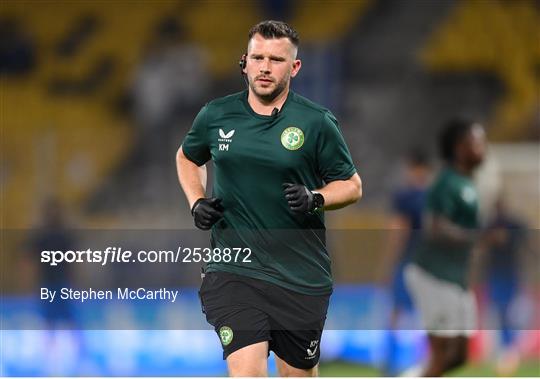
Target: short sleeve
(195, 145)
(333, 157)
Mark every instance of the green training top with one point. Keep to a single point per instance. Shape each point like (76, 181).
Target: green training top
(253, 155)
(454, 197)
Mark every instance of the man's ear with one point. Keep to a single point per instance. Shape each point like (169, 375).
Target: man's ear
(243, 63)
(297, 64)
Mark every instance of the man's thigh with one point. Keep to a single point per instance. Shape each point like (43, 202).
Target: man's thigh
(231, 308)
(445, 308)
(251, 360)
(297, 323)
(246, 312)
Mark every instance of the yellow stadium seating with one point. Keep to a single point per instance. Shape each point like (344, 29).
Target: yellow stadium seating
(501, 37)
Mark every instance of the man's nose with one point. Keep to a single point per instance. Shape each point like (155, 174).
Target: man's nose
(265, 66)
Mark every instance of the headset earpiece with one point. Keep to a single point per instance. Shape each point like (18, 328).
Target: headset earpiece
(243, 62)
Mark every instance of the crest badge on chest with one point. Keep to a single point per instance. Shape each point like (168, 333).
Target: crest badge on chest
(292, 138)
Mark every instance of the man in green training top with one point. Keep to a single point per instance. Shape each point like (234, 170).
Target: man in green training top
(279, 161)
(438, 274)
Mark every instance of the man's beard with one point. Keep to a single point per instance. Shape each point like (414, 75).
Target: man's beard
(268, 98)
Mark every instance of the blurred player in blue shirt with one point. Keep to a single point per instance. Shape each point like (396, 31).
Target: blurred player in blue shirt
(405, 224)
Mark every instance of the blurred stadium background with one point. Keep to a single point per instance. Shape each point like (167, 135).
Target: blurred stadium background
(96, 97)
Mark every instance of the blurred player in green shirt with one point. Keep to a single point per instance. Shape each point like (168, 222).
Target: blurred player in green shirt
(438, 274)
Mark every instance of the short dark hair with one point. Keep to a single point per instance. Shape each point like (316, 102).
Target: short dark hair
(275, 29)
(453, 133)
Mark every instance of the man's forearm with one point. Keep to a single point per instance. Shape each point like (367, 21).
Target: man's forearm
(340, 193)
(442, 229)
(192, 178)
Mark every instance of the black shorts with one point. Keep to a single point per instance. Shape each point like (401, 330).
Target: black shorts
(244, 311)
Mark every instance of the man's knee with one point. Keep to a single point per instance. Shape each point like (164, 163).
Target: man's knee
(286, 370)
(238, 368)
(249, 361)
(296, 372)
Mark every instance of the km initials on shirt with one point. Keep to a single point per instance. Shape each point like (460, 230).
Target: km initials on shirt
(223, 147)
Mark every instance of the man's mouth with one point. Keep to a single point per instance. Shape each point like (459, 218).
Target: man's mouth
(265, 80)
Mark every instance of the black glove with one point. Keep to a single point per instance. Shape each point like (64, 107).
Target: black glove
(301, 199)
(206, 212)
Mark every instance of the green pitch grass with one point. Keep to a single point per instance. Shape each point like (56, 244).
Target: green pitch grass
(529, 368)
